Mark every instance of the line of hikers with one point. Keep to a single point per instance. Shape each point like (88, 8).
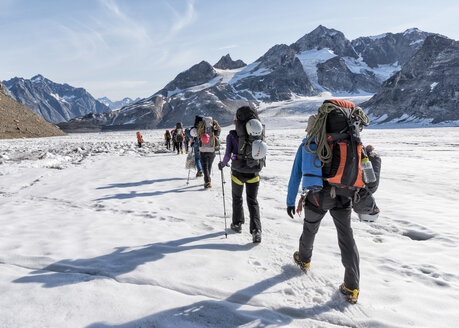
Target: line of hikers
(336, 171)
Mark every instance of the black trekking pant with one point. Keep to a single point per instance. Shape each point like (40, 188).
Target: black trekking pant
(186, 145)
(207, 158)
(179, 146)
(168, 144)
(251, 181)
(316, 206)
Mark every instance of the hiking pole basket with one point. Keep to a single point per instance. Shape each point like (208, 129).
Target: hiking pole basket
(223, 192)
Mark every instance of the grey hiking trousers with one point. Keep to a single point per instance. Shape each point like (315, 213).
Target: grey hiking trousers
(316, 206)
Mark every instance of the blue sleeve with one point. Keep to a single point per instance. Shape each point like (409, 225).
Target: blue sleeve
(295, 178)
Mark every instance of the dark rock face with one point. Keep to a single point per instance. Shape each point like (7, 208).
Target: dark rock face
(52, 101)
(226, 62)
(390, 48)
(323, 37)
(427, 87)
(196, 75)
(278, 74)
(336, 76)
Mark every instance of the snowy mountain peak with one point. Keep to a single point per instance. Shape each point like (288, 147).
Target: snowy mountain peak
(37, 78)
(226, 62)
(412, 30)
(196, 75)
(323, 37)
(54, 102)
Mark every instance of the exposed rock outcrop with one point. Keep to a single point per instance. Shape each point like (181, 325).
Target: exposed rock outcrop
(427, 87)
(226, 62)
(17, 121)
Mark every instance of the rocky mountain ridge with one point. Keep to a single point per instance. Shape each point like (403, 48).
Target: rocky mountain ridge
(425, 90)
(322, 60)
(53, 101)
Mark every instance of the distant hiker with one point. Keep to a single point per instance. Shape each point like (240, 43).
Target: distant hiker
(246, 149)
(174, 144)
(365, 205)
(208, 132)
(178, 138)
(186, 142)
(167, 138)
(192, 134)
(328, 163)
(139, 139)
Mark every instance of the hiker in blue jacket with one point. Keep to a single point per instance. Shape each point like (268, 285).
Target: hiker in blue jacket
(197, 155)
(320, 195)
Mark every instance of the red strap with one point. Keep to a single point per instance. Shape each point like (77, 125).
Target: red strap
(341, 103)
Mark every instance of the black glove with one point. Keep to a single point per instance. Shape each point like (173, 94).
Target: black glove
(220, 166)
(291, 211)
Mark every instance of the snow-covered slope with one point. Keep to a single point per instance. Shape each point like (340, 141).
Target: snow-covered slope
(99, 233)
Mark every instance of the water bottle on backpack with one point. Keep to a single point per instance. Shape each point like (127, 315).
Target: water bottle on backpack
(368, 173)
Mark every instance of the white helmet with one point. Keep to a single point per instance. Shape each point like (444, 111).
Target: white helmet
(368, 217)
(193, 132)
(259, 149)
(254, 128)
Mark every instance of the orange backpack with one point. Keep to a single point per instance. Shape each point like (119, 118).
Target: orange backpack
(344, 171)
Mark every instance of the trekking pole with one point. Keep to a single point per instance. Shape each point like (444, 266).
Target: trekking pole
(189, 169)
(223, 191)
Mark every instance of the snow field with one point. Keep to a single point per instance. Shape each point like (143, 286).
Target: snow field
(112, 236)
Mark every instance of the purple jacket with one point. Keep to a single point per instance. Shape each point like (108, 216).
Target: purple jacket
(231, 147)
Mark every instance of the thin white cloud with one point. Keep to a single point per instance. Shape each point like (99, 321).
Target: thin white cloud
(123, 26)
(182, 19)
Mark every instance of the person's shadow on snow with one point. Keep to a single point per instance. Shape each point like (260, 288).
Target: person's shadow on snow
(139, 183)
(119, 262)
(134, 194)
(235, 310)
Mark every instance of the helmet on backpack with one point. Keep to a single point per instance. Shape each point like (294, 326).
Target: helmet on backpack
(368, 217)
(205, 138)
(254, 128)
(259, 149)
(193, 132)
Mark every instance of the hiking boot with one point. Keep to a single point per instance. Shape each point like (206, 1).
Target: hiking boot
(207, 185)
(199, 174)
(351, 294)
(236, 227)
(256, 236)
(303, 265)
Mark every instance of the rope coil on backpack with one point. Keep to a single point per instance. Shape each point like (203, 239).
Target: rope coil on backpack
(317, 133)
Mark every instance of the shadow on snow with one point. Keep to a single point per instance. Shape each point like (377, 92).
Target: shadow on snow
(140, 183)
(228, 312)
(119, 262)
(134, 194)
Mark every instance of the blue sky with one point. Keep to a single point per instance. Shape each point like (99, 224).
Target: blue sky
(133, 48)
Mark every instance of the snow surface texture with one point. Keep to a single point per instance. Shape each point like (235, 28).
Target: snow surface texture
(99, 233)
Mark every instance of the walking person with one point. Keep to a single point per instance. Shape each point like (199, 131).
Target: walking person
(332, 142)
(192, 135)
(167, 139)
(246, 164)
(179, 137)
(186, 141)
(174, 143)
(208, 133)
